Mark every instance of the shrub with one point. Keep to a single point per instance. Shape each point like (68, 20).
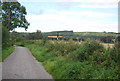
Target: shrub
(75, 70)
(102, 73)
(61, 48)
(50, 46)
(86, 50)
(44, 40)
(6, 42)
(53, 64)
(89, 60)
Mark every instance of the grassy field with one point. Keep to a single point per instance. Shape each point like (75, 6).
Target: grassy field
(95, 34)
(69, 60)
(6, 52)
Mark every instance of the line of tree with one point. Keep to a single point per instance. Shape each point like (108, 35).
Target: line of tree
(34, 36)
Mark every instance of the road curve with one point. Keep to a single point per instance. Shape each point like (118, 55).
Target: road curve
(22, 65)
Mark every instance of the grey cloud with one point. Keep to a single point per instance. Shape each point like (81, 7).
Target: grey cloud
(64, 5)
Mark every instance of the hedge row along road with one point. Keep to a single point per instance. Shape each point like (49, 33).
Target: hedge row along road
(22, 65)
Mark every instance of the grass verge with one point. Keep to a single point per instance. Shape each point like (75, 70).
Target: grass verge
(70, 61)
(0, 57)
(6, 52)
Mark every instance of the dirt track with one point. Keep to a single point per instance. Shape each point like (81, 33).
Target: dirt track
(22, 65)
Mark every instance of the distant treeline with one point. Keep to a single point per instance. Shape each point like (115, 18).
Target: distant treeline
(81, 36)
(69, 35)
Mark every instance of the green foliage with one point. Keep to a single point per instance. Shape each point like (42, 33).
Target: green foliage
(86, 50)
(34, 36)
(61, 48)
(107, 39)
(44, 40)
(37, 51)
(13, 15)
(6, 42)
(20, 44)
(6, 52)
(69, 60)
(75, 70)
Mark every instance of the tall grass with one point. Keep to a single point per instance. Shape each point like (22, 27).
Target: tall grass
(69, 60)
(0, 57)
(6, 52)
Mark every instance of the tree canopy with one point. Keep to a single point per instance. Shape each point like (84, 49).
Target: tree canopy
(13, 15)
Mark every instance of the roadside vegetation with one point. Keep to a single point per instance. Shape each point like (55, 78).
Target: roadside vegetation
(6, 52)
(7, 47)
(9, 21)
(70, 60)
(0, 57)
(66, 59)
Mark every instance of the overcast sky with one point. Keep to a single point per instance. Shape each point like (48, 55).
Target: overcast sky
(79, 16)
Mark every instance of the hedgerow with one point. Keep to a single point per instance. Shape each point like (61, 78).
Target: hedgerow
(70, 60)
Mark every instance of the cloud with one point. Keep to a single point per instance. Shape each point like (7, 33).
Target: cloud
(96, 1)
(64, 16)
(98, 5)
(62, 21)
(53, 19)
(39, 12)
(83, 1)
(64, 5)
(90, 14)
(50, 10)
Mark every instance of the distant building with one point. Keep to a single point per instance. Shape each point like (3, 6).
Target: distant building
(55, 36)
(59, 34)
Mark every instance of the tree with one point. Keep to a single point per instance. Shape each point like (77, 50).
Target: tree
(118, 39)
(5, 37)
(34, 36)
(38, 35)
(13, 15)
(0, 27)
(107, 39)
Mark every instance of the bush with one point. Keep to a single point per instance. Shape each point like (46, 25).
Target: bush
(61, 48)
(44, 40)
(20, 44)
(113, 54)
(67, 60)
(75, 70)
(52, 65)
(102, 73)
(6, 42)
(85, 50)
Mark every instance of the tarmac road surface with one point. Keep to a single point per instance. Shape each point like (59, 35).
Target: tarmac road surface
(0, 71)
(22, 65)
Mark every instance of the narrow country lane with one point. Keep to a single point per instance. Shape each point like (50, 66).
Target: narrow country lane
(22, 65)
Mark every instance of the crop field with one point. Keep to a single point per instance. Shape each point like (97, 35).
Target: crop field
(105, 45)
(95, 33)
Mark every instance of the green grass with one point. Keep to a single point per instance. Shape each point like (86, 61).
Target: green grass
(70, 61)
(0, 57)
(6, 52)
(94, 34)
